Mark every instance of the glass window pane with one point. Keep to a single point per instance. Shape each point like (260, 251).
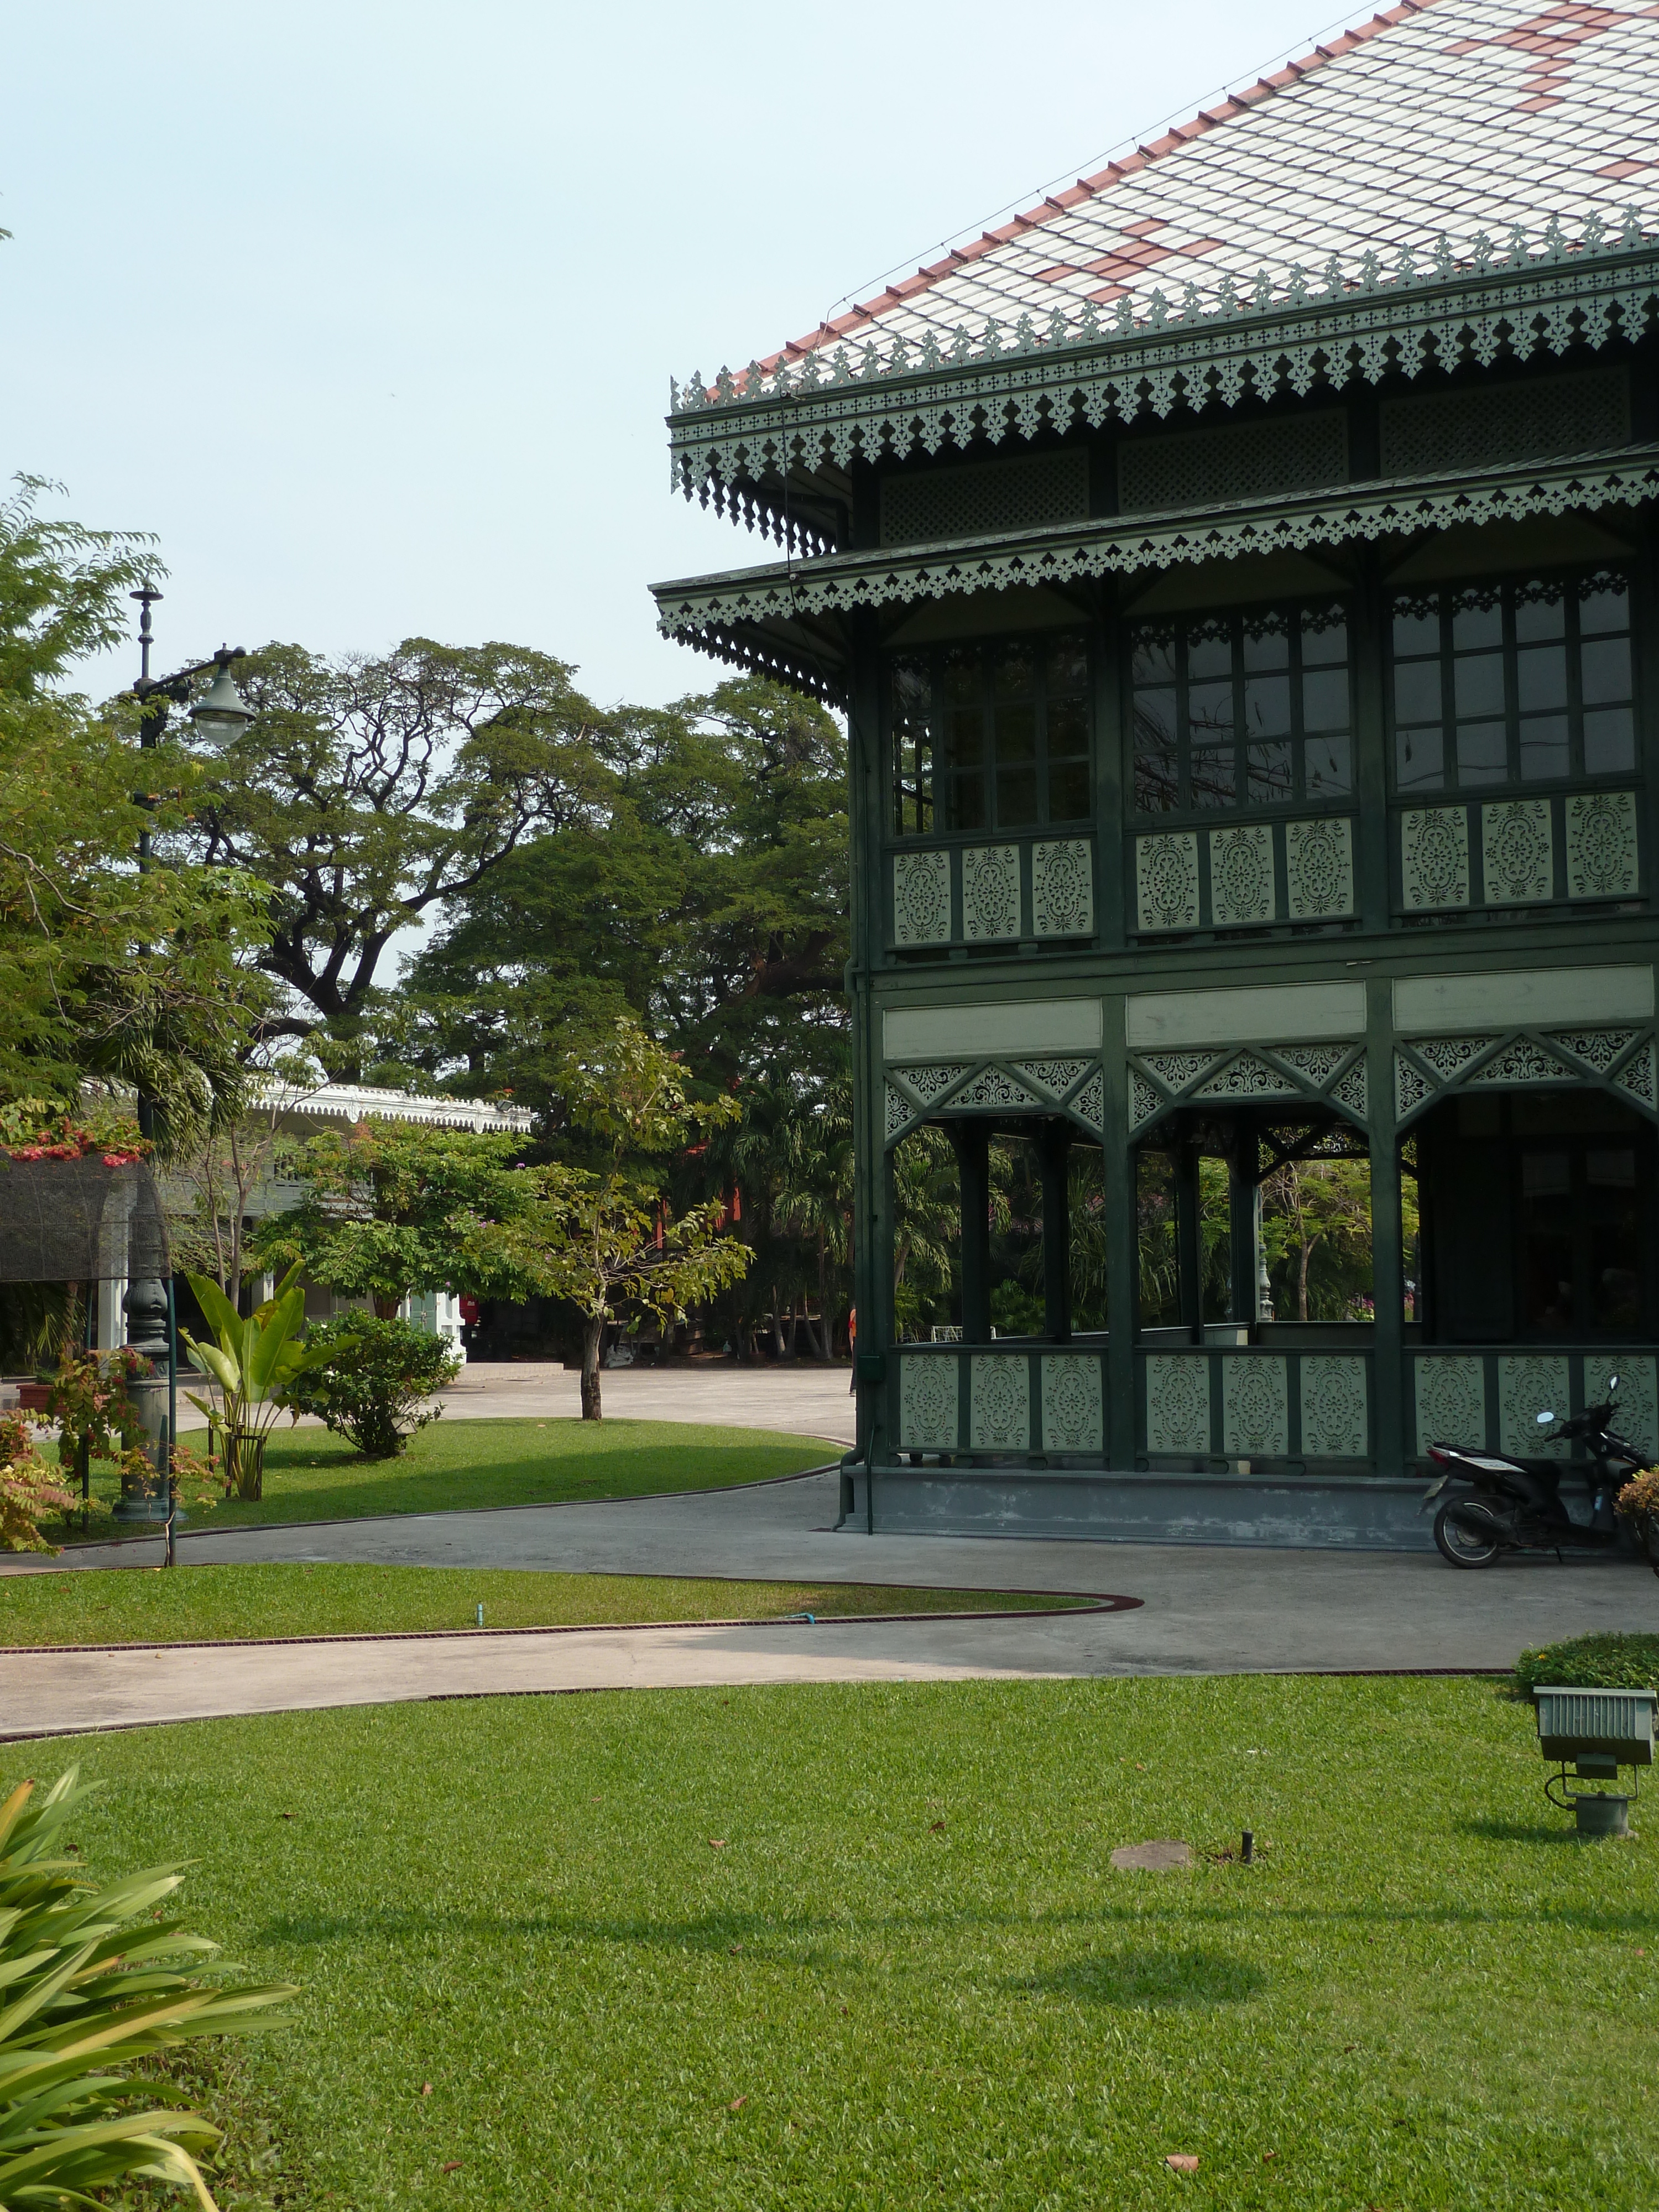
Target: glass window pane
(1268, 705)
(1327, 768)
(1324, 637)
(1068, 792)
(1209, 651)
(1013, 672)
(965, 737)
(1068, 727)
(1609, 742)
(1268, 770)
(1210, 709)
(1157, 789)
(1540, 677)
(1157, 776)
(1016, 798)
(1540, 612)
(967, 803)
(1475, 624)
(1605, 605)
(1416, 628)
(1016, 733)
(1610, 1171)
(1417, 692)
(963, 686)
(1068, 664)
(1544, 746)
(1215, 776)
(1419, 762)
(1483, 753)
(1325, 700)
(912, 688)
(1478, 685)
(1267, 642)
(1152, 656)
(1604, 670)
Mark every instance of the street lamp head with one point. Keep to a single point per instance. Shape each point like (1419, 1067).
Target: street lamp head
(221, 713)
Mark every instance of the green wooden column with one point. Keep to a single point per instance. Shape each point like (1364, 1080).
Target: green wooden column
(1387, 1260)
(1053, 1150)
(1243, 1222)
(972, 1140)
(873, 1212)
(1122, 1246)
(1189, 1246)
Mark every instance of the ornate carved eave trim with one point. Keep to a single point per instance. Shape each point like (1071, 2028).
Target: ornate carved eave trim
(736, 442)
(744, 609)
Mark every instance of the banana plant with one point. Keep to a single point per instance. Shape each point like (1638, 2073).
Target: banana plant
(256, 1358)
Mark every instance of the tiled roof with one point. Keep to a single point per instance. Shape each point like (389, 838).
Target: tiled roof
(1442, 121)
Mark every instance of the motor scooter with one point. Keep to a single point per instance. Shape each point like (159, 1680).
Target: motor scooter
(1518, 1508)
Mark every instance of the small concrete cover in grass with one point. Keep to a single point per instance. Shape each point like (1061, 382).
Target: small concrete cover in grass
(1152, 1858)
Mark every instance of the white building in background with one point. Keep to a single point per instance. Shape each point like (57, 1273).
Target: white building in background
(341, 1106)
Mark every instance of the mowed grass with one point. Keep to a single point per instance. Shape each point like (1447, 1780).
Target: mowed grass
(150, 1605)
(862, 1946)
(312, 1474)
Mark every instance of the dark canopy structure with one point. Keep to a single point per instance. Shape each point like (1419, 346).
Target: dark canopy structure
(81, 1221)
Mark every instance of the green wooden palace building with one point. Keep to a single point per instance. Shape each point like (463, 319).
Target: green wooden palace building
(1238, 573)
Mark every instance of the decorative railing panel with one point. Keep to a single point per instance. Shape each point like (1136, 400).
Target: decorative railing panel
(1490, 1400)
(1248, 874)
(1000, 1404)
(1246, 1403)
(1032, 888)
(1518, 852)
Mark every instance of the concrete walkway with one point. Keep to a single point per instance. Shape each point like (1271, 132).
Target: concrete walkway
(1204, 1609)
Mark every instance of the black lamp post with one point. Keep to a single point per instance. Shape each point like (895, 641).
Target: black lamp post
(221, 711)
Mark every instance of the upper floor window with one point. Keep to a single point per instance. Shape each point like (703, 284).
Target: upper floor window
(1517, 683)
(990, 736)
(1242, 710)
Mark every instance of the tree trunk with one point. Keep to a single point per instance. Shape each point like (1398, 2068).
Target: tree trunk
(386, 1309)
(777, 1326)
(592, 1335)
(826, 1319)
(1305, 1254)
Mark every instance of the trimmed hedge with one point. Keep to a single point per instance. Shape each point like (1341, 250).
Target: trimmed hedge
(1609, 1661)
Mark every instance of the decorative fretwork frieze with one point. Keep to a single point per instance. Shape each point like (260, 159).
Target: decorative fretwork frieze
(899, 1110)
(1423, 1066)
(1090, 1103)
(1601, 849)
(1352, 1092)
(1518, 852)
(1144, 1104)
(1241, 875)
(994, 1088)
(1063, 889)
(1179, 1071)
(1317, 1062)
(1597, 1048)
(1434, 857)
(928, 1419)
(1523, 1061)
(1636, 1075)
(990, 893)
(1411, 1086)
(1059, 1075)
(1246, 1077)
(1336, 1406)
(1073, 1413)
(921, 898)
(1166, 881)
(926, 1084)
(1319, 867)
(1450, 1056)
(999, 1395)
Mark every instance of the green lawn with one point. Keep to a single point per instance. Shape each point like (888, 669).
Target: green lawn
(312, 1475)
(862, 1947)
(209, 1604)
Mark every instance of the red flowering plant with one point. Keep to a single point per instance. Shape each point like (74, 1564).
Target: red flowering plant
(29, 1490)
(38, 1129)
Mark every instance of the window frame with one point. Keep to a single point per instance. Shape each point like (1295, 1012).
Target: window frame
(904, 781)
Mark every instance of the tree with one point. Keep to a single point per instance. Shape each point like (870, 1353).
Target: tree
(388, 1207)
(604, 1237)
(366, 790)
(211, 1186)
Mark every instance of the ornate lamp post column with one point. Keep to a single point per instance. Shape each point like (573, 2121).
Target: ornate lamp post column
(220, 712)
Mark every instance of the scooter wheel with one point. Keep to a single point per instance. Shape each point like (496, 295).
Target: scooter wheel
(1459, 1546)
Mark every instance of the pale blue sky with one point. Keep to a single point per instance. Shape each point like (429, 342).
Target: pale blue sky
(368, 311)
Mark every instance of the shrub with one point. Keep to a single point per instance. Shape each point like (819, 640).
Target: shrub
(370, 1387)
(91, 1983)
(1607, 1661)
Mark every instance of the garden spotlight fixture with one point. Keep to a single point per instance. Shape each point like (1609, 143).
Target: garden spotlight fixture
(1596, 1732)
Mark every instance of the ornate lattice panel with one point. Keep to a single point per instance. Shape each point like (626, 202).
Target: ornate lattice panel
(1437, 433)
(1144, 1103)
(1636, 1075)
(1353, 1091)
(1166, 881)
(990, 893)
(921, 898)
(1319, 867)
(1518, 852)
(1450, 1399)
(1434, 858)
(1058, 1076)
(1523, 1061)
(1177, 1404)
(1063, 889)
(1336, 1406)
(899, 1110)
(1601, 849)
(996, 1088)
(1242, 875)
(1246, 1077)
(1074, 1414)
(1637, 1397)
(1597, 1048)
(926, 1084)
(927, 1402)
(1428, 1064)
(985, 499)
(1196, 467)
(1255, 1405)
(1090, 1103)
(1000, 1393)
(1527, 1386)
